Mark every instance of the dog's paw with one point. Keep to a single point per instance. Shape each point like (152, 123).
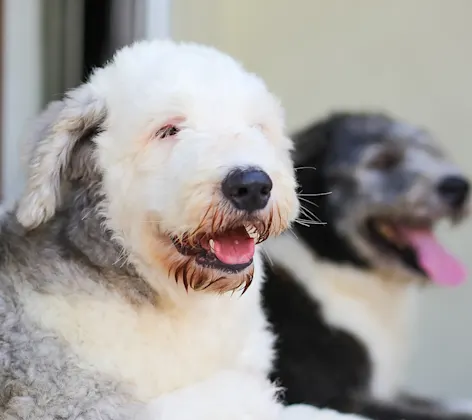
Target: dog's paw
(308, 412)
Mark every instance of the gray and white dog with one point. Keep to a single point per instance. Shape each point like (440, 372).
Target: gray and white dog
(342, 296)
(149, 188)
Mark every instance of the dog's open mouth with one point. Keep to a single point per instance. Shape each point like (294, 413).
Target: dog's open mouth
(231, 250)
(418, 248)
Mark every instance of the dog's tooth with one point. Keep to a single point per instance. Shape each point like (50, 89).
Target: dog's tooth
(212, 245)
(386, 231)
(251, 230)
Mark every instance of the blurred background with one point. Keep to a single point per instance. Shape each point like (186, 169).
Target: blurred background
(412, 59)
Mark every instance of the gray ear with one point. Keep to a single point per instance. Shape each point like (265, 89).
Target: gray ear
(312, 140)
(57, 130)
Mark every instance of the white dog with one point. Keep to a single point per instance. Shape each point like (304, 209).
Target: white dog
(123, 265)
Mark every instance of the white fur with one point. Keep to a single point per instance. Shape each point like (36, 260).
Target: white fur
(309, 412)
(376, 310)
(228, 395)
(459, 406)
(196, 355)
(161, 348)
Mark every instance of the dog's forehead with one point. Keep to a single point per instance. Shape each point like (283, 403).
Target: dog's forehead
(357, 135)
(192, 81)
(178, 67)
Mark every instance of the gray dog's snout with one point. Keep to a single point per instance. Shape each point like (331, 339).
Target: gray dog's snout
(247, 189)
(454, 190)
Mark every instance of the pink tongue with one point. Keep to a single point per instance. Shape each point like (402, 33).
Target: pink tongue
(235, 247)
(438, 264)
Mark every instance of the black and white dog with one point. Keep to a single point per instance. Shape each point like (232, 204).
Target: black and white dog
(340, 295)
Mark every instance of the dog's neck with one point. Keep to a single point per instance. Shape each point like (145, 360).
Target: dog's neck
(84, 225)
(80, 226)
(375, 310)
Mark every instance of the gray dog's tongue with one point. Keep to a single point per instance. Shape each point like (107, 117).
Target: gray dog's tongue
(437, 263)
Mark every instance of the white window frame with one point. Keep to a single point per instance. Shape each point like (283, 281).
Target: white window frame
(21, 86)
(154, 17)
(23, 90)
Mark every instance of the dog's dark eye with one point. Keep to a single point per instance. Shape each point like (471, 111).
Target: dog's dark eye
(167, 131)
(385, 161)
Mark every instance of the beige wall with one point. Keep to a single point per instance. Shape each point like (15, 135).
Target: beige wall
(410, 57)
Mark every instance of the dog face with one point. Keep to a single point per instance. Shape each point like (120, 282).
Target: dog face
(192, 158)
(390, 185)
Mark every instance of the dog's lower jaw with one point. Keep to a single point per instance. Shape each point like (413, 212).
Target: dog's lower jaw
(157, 261)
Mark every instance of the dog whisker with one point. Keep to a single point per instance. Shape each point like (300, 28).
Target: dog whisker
(314, 195)
(301, 222)
(305, 167)
(292, 232)
(310, 218)
(306, 218)
(308, 223)
(306, 200)
(303, 211)
(307, 213)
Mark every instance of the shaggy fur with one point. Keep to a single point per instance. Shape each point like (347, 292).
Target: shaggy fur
(341, 300)
(101, 316)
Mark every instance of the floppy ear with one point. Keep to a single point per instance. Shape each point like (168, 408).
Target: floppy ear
(58, 129)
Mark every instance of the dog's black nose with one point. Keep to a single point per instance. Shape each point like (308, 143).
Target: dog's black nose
(454, 190)
(247, 189)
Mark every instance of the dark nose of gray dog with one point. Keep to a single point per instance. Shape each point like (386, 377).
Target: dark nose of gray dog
(454, 190)
(247, 189)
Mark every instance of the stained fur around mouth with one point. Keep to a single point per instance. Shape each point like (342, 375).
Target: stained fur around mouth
(206, 258)
(190, 244)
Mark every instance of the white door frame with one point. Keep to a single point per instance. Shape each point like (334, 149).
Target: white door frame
(154, 16)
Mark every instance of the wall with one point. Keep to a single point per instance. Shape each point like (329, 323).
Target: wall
(411, 58)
